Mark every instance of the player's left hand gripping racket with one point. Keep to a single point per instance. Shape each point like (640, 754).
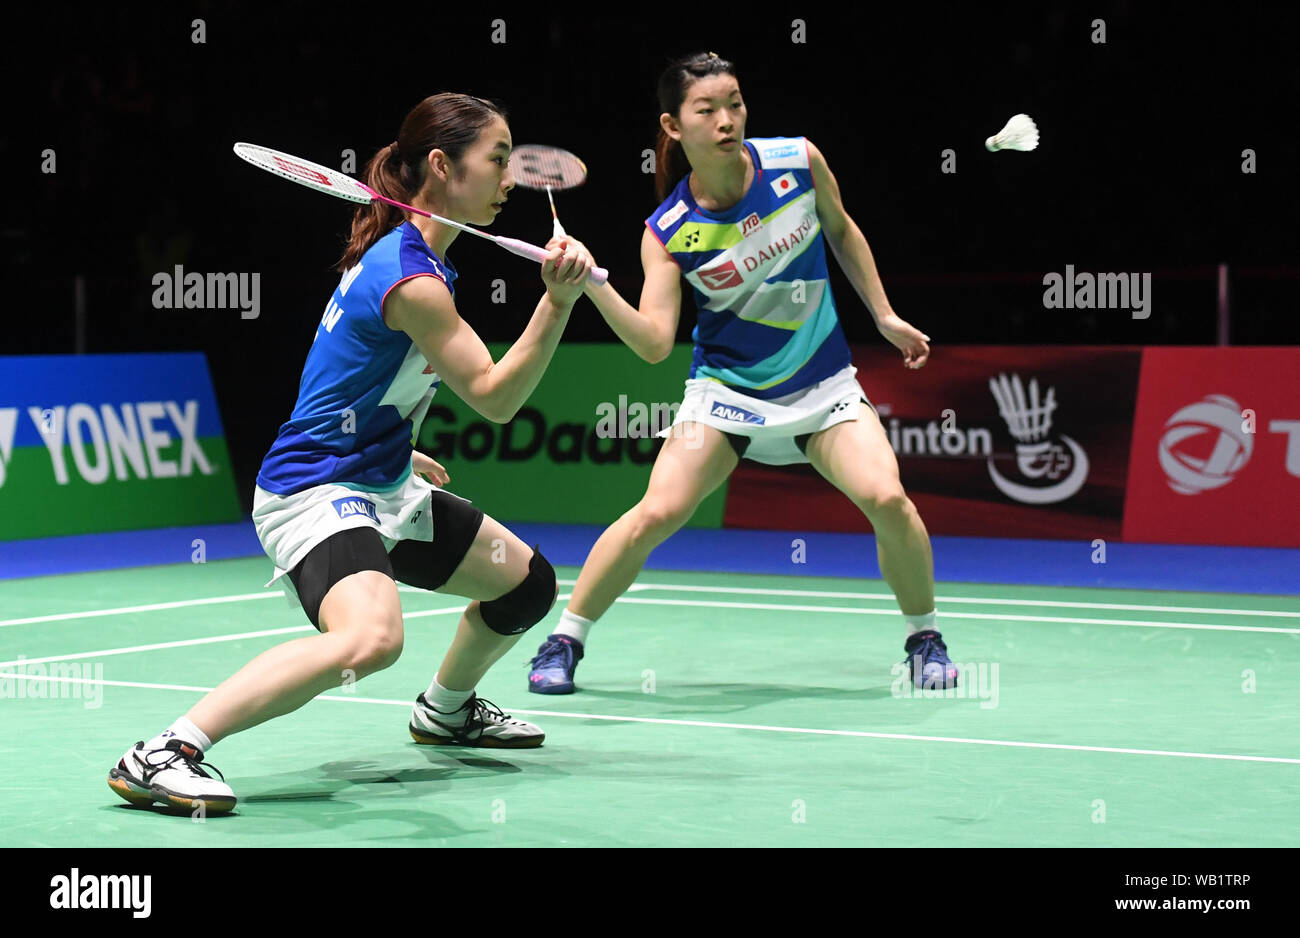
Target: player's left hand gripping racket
(550, 168)
(324, 179)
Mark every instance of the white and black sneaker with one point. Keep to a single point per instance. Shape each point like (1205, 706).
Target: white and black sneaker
(172, 776)
(484, 725)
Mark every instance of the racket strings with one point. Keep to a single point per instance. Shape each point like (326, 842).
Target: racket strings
(304, 172)
(537, 167)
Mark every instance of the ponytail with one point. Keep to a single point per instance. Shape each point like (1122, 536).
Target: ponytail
(370, 222)
(671, 165)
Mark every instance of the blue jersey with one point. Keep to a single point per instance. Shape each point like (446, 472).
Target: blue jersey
(365, 387)
(767, 324)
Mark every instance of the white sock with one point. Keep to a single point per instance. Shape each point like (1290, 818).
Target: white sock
(919, 623)
(181, 729)
(447, 702)
(575, 627)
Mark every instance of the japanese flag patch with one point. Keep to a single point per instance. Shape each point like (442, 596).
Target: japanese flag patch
(784, 184)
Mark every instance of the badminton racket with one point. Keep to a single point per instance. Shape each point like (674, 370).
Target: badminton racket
(550, 168)
(335, 183)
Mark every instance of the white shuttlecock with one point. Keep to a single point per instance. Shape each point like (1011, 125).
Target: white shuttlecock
(1021, 133)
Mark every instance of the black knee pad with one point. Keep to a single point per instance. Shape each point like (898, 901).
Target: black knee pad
(525, 605)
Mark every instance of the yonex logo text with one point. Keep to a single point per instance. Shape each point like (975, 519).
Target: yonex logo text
(121, 440)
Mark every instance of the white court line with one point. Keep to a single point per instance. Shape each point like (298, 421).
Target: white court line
(847, 610)
(640, 587)
(210, 640)
(853, 610)
(123, 610)
(154, 647)
(827, 594)
(710, 724)
(180, 604)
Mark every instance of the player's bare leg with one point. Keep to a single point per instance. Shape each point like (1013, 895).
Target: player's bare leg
(692, 463)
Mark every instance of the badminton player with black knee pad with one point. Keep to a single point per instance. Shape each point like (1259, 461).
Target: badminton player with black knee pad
(344, 505)
(744, 222)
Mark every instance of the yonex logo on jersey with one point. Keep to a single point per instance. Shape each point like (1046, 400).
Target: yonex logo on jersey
(750, 224)
(780, 153)
(692, 239)
(784, 184)
(739, 414)
(722, 277)
(355, 505)
(669, 217)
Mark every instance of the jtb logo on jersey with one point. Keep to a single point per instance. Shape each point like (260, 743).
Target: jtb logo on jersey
(750, 224)
(355, 505)
(739, 414)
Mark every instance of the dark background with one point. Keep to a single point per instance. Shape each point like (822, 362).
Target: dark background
(1139, 168)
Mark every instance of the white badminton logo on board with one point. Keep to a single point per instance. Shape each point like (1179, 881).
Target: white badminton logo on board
(1038, 457)
(78, 891)
(1189, 474)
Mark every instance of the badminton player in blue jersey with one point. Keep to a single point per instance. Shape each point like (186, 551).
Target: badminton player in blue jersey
(744, 222)
(344, 505)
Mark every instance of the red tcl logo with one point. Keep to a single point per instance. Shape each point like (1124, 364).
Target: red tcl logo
(722, 277)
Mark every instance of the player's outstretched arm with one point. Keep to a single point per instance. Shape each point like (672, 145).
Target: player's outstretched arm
(850, 248)
(423, 308)
(649, 330)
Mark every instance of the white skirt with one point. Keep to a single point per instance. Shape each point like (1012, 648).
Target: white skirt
(289, 526)
(773, 424)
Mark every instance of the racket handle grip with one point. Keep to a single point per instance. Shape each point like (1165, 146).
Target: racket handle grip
(599, 275)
